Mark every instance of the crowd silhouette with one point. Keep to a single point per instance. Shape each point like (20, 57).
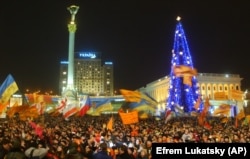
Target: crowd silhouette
(87, 137)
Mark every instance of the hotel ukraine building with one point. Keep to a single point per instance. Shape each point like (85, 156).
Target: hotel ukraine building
(92, 76)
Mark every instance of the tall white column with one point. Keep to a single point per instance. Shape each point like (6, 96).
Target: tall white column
(70, 90)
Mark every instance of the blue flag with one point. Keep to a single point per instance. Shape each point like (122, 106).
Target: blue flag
(7, 89)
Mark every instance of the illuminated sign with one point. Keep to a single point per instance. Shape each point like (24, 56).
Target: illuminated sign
(108, 63)
(64, 62)
(91, 55)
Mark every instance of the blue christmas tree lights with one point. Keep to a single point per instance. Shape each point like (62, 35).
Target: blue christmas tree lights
(181, 95)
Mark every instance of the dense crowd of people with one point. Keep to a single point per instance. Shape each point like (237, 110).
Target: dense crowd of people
(88, 137)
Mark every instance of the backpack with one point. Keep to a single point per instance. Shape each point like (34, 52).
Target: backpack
(31, 155)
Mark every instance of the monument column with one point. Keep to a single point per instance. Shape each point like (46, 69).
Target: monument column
(70, 90)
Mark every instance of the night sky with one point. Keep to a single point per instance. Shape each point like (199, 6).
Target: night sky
(137, 35)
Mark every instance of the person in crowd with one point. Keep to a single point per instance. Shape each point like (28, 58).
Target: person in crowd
(59, 152)
(15, 150)
(36, 149)
(5, 147)
(123, 153)
(72, 152)
(87, 152)
(101, 152)
(132, 152)
(143, 154)
(187, 136)
(148, 146)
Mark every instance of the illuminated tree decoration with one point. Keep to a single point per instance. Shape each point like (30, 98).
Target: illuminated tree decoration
(181, 95)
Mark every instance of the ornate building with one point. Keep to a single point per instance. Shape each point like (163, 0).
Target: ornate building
(209, 84)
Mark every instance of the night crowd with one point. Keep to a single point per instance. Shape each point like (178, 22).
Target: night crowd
(88, 137)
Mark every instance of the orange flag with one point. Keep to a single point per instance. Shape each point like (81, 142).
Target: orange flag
(182, 70)
(236, 123)
(220, 96)
(129, 118)
(223, 109)
(236, 95)
(201, 117)
(201, 120)
(28, 112)
(3, 107)
(187, 80)
(224, 120)
(186, 72)
(110, 124)
(131, 96)
(240, 115)
(198, 103)
(206, 107)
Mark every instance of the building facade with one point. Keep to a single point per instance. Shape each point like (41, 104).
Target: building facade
(91, 75)
(209, 84)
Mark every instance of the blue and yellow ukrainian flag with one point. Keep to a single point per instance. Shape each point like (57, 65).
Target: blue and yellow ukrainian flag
(100, 107)
(142, 106)
(103, 106)
(7, 89)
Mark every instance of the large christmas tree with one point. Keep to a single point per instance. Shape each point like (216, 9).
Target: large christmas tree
(181, 94)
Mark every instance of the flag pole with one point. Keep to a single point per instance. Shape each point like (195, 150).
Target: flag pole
(226, 122)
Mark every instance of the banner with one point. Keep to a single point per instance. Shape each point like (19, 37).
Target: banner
(129, 118)
(236, 95)
(220, 96)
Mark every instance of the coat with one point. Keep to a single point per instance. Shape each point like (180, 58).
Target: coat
(101, 155)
